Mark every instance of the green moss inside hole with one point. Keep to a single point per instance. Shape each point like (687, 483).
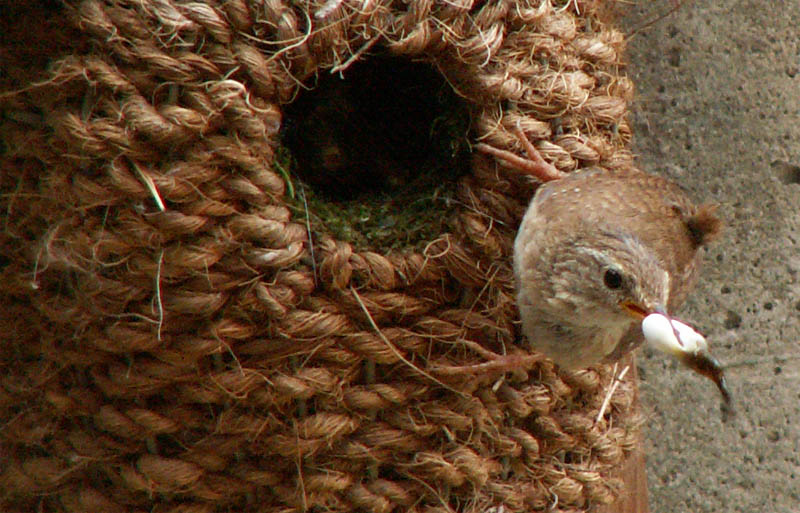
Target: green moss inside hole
(374, 157)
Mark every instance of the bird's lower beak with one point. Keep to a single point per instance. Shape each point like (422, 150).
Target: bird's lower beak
(634, 310)
(639, 312)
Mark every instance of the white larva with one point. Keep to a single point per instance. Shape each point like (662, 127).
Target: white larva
(682, 341)
(672, 336)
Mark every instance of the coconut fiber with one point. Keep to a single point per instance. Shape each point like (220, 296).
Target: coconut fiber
(186, 325)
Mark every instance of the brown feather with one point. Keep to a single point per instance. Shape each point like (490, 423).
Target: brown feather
(704, 225)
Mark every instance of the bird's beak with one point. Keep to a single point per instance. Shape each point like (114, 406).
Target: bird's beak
(639, 312)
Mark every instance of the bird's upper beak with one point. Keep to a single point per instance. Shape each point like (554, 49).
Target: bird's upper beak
(639, 312)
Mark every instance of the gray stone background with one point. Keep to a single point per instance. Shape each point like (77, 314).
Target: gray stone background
(718, 110)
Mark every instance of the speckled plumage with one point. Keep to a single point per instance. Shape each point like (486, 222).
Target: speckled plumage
(580, 226)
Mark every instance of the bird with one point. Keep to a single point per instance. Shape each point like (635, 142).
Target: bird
(597, 251)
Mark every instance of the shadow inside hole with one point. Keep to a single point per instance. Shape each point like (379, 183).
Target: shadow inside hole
(388, 126)
(377, 153)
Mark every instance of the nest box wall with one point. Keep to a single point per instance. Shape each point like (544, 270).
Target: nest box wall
(188, 324)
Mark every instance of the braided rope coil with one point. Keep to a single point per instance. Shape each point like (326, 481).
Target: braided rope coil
(170, 342)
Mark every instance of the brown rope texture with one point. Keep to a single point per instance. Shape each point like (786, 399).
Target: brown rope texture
(166, 343)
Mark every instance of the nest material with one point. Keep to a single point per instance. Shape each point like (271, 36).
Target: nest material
(176, 338)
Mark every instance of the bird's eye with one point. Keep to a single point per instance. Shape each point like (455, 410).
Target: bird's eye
(612, 279)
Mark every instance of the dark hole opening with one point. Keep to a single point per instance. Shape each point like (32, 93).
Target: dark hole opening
(389, 127)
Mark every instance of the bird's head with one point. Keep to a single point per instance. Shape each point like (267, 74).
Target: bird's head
(609, 279)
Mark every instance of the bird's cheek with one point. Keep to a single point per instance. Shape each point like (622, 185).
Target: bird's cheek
(560, 303)
(658, 294)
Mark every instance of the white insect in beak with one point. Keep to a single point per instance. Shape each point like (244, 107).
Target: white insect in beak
(690, 347)
(672, 336)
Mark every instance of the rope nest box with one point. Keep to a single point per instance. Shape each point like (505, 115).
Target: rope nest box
(248, 258)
